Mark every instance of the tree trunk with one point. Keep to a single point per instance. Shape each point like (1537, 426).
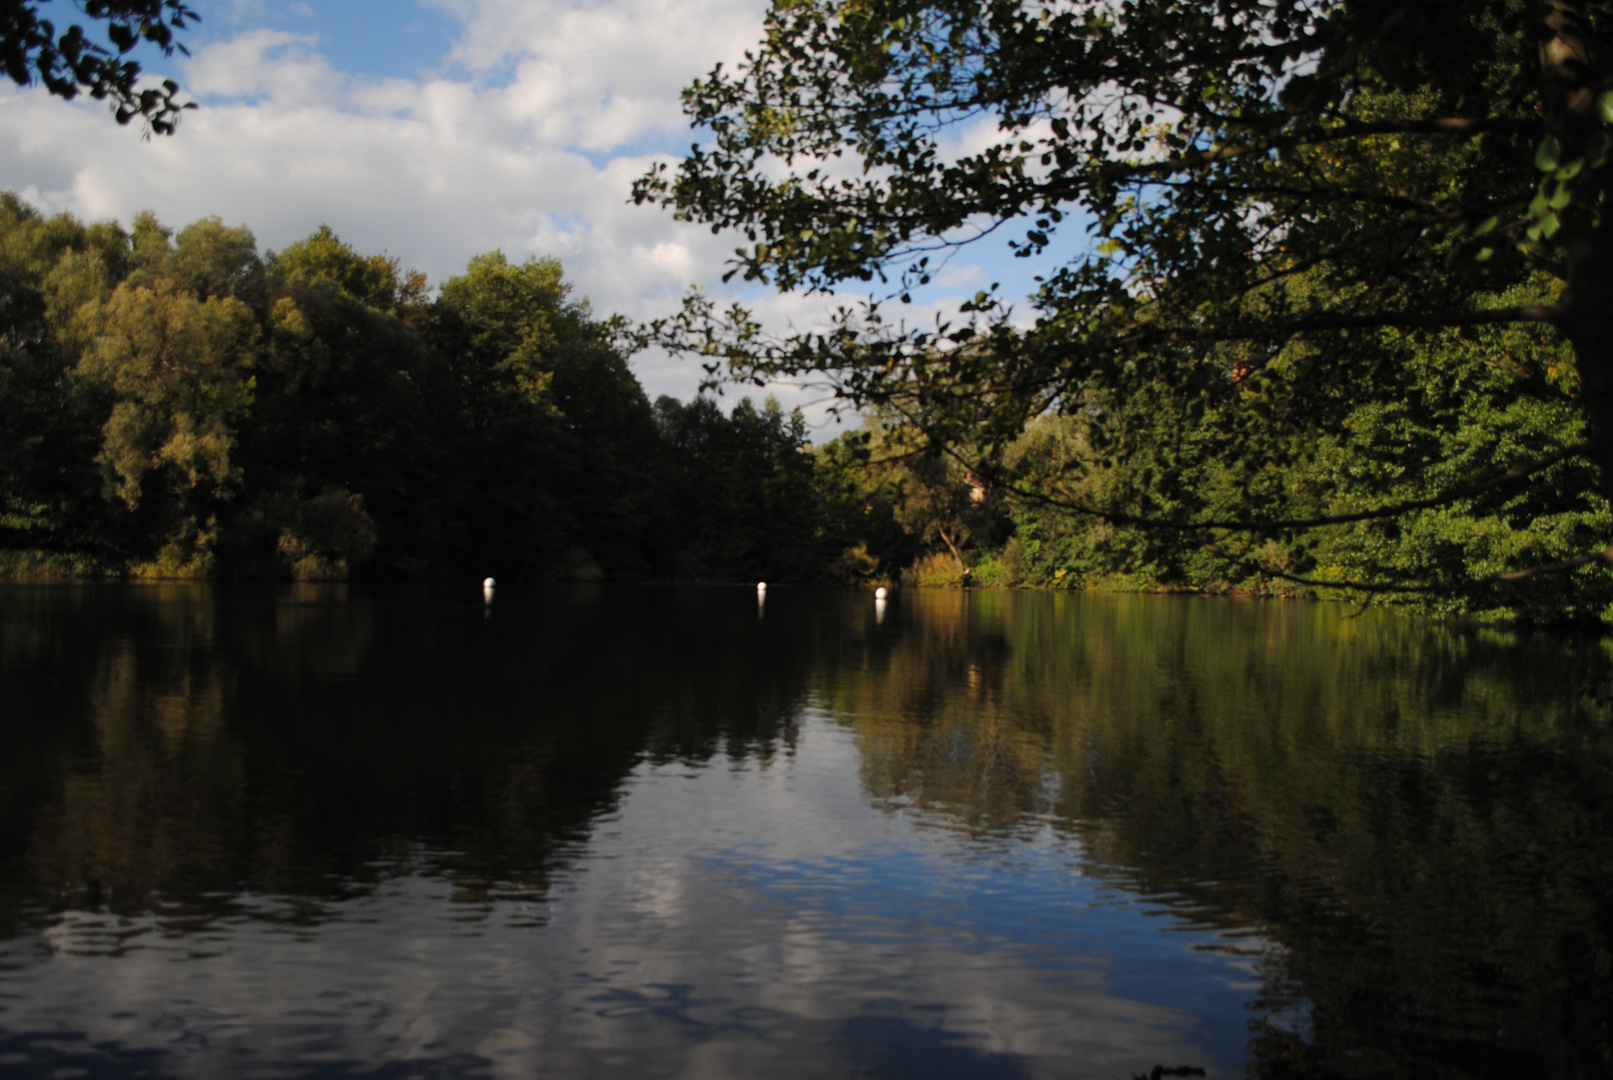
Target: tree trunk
(1569, 91)
(957, 556)
(1587, 321)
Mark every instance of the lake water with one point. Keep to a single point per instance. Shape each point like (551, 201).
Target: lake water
(389, 831)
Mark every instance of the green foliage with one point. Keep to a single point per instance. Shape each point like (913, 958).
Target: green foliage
(860, 513)
(925, 514)
(322, 538)
(374, 280)
(174, 369)
(937, 570)
(559, 430)
(69, 60)
(210, 259)
(54, 275)
(45, 565)
(1300, 219)
(182, 406)
(743, 494)
(1456, 403)
(177, 405)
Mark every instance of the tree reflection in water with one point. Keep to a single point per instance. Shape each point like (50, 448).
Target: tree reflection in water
(1421, 815)
(1414, 822)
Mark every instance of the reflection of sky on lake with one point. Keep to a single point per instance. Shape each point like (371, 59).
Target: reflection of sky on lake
(745, 919)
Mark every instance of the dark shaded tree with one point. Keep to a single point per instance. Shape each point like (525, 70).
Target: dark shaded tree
(744, 507)
(53, 274)
(556, 432)
(178, 405)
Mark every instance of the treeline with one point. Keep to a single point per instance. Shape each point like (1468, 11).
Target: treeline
(1387, 420)
(181, 405)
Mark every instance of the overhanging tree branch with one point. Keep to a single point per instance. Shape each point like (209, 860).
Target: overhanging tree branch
(1563, 567)
(68, 61)
(1270, 177)
(1453, 125)
(1408, 320)
(1511, 476)
(1538, 313)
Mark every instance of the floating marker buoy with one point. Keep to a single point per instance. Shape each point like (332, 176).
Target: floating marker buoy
(487, 583)
(880, 593)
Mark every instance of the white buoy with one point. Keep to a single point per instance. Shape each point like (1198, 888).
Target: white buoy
(487, 583)
(880, 593)
(761, 586)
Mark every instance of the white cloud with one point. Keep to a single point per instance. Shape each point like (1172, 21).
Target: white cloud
(606, 74)
(262, 63)
(533, 151)
(970, 276)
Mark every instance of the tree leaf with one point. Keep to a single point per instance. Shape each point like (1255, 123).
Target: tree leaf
(1548, 153)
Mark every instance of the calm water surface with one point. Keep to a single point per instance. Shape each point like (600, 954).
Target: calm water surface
(393, 831)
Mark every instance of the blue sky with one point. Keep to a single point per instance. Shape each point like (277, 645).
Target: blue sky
(376, 38)
(435, 130)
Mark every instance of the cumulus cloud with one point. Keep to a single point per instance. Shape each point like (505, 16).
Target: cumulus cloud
(526, 138)
(265, 63)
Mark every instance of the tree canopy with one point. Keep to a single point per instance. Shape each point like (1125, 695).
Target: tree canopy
(67, 60)
(1270, 219)
(178, 404)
